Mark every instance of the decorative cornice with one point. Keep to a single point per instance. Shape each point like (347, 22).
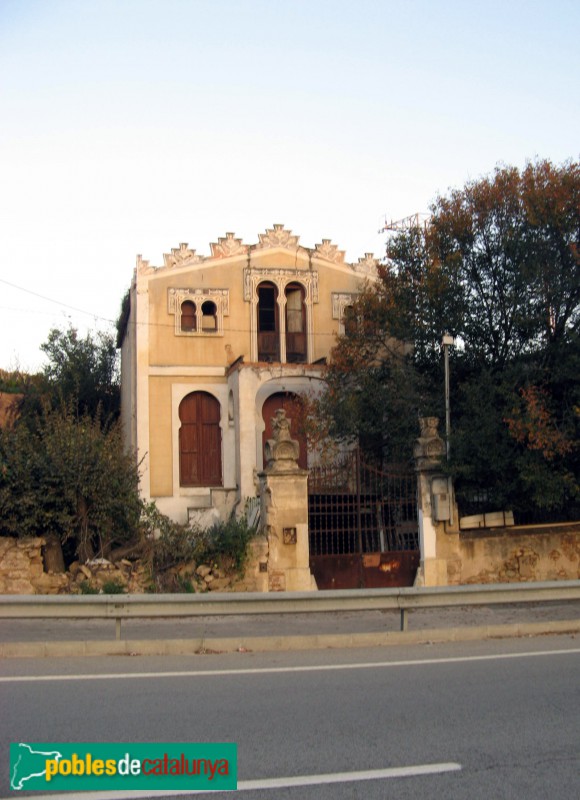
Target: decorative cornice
(367, 265)
(143, 267)
(227, 247)
(180, 256)
(277, 236)
(329, 251)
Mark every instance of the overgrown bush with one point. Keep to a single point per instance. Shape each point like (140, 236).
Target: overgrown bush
(113, 587)
(228, 543)
(87, 588)
(72, 476)
(168, 544)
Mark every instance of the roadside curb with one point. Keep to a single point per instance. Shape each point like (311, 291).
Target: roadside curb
(206, 646)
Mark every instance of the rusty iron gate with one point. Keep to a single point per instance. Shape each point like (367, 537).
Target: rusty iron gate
(362, 524)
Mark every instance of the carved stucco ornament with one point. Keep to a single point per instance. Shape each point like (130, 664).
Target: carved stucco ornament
(180, 256)
(143, 267)
(277, 236)
(429, 448)
(281, 451)
(329, 251)
(367, 265)
(228, 246)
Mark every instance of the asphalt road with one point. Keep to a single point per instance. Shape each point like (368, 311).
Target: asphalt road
(490, 719)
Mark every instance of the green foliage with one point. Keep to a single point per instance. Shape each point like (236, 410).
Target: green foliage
(30, 391)
(228, 543)
(70, 476)
(114, 587)
(21, 471)
(87, 588)
(497, 266)
(123, 317)
(15, 381)
(185, 584)
(508, 244)
(168, 544)
(83, 371)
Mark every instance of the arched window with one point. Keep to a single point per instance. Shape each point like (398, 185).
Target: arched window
(188, 321)
(209, 317)
(295, 324)
(268, 330)
(350, 321)
(200, 444)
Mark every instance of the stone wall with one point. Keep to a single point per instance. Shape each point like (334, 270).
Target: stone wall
(23, 571)
(529, 553)
(511, 555)
(22, 568)
(452, 556)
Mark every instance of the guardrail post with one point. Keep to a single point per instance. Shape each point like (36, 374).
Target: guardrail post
(404, 619)
(118, 628)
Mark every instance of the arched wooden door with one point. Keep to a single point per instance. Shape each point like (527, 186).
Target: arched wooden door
(200, 444)
(291, 404)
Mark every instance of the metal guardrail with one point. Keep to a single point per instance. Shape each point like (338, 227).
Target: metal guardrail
(119, 607)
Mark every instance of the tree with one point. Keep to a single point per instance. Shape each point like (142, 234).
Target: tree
(63, 467)
(372, 390)
(509, 246)
(497, 266)
(83, 371)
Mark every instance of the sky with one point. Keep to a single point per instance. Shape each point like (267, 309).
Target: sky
(129, 126)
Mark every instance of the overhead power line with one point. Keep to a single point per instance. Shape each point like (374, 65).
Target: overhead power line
(57, 302)
(316, 334)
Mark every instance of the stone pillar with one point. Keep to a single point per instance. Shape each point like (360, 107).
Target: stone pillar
(432, 486)
(284, 511)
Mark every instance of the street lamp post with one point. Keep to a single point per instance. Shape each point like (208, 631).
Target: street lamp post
(446, 342)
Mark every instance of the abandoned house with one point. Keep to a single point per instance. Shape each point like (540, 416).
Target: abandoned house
(211, 346)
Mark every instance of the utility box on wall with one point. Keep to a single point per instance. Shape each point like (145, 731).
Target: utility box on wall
(441, 499)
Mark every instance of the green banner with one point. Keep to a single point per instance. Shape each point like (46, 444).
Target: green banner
(50, 766)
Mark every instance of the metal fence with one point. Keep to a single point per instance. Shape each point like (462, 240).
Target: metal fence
(357, 508)
(472, 502)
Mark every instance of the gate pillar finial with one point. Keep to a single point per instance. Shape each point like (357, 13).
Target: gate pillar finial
(281, 451)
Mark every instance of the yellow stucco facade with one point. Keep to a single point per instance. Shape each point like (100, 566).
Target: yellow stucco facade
(207, 341)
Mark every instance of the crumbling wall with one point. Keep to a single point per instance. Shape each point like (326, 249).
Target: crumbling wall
(510, 555)
(505, 555)
(22, 568)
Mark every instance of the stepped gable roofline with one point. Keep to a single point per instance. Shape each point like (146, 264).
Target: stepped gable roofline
(180, 257)
(228, 246)
(329, 252)
(276, 238)
(367, 265)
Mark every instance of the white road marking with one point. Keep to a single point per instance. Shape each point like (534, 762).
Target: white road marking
(269, 783)
(111, 676)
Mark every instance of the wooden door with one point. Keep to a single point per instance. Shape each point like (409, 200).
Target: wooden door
(200, 441)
